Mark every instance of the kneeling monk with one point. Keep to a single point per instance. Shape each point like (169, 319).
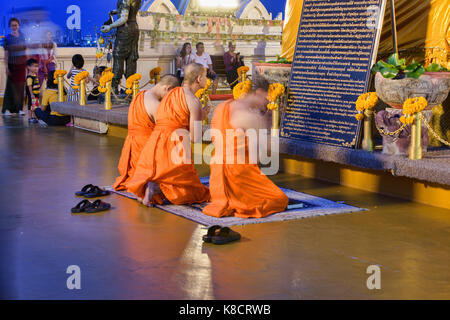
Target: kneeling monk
(159, 172)
(238, 188)
(141, 120)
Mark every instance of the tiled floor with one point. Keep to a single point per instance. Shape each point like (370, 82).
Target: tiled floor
(134, 252)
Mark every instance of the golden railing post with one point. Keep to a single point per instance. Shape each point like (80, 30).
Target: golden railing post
(82, 92)
(367, 143)
(60, 88)
(275, 122)
(135, 88)
(415, 147)
(108, 103)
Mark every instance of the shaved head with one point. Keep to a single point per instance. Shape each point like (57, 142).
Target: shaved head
(192, 71)
(169, 79)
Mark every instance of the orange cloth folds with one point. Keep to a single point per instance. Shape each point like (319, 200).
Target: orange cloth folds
(179, 182)
(140, 128)
(239, 190)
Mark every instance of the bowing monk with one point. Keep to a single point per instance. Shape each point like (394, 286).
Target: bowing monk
(141, 120)
(237, 186)
(160, 173)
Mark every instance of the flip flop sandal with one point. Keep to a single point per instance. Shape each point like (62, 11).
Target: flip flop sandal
(225, 235)
(96, 192)
(211, 232)
(81, 206)
(97, 206)
(84, 190)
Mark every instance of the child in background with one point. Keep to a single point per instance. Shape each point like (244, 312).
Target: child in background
(33, 89)
(44, 113)
(77, 67)
(97, 75)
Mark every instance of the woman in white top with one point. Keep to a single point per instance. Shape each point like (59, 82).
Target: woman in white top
(183, 60)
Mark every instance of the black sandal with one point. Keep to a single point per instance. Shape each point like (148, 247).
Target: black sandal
(81, 206)
(97, 206)
(211, 232)
(225, 235)
(96, 192)
(86, 189)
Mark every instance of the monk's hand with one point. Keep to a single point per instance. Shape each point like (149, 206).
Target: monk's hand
(205, 112)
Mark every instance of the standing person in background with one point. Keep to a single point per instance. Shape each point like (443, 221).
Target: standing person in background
(47, 61)
(77, 67)
(183, 60)
(15, 66)
(205, 60)
(232, 62)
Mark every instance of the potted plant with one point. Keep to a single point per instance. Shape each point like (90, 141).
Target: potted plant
(396, 81)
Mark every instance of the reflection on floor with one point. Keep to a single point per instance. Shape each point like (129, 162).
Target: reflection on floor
(137, 252)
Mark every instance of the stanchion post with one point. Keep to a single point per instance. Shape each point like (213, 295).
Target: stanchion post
(415, 147)
(135, 88)
(108, 103)
(82, 92)
(367, 143)
(60, 88)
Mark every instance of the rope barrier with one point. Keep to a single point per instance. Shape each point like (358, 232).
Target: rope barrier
(387, 133)
(430, 129)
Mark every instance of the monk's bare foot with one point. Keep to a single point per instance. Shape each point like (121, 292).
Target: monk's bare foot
(150, 191)
(139, 199)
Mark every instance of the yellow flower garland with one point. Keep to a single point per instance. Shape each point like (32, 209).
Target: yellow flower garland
(78, 77)
(243, 69)
(99, 55)
(412, 106)
(365, 101)
(59, 73)
(130, 80)
(276, 90)
(202, 94)
(241, 89)
(107, 76)
(154, 72)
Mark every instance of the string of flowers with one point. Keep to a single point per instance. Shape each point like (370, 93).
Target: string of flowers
(154, 74)
(241, 89)
(412, 106)
(105, 78)
(365, 101)
(202, 94)
(78, 77)
(242, 72)
(130, 80)
(57, 73)
(276, 90)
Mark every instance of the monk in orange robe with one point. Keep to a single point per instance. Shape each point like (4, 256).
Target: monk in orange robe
(237, 186)
(164, 169)
(141, 120)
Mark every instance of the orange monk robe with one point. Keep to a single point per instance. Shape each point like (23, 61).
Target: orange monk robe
(179, 182)
(140, 128)
(239, 190)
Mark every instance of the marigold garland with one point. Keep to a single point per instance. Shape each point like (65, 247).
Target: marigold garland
(59, 73)
(131, 79)
(412, 106)
(202, 94)
(78, 77)
(241, 89)
(365, 101)
(99, 54)
(154, 72)
(107, 76)
(276, 90)
(243, 69)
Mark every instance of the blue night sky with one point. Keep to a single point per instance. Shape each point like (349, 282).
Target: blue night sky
(93, 13)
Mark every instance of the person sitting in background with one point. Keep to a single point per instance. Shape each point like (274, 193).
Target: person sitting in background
(204, 59)
(77, 67)
(33, 88)
(96, 80)
(232, 62)
(183, 60)
(44, 113)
